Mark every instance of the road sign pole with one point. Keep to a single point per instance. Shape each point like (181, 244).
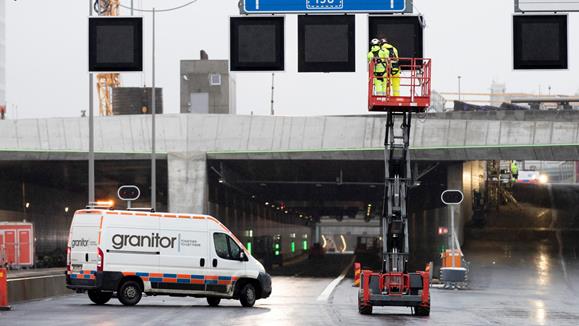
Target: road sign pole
(452, 246)
(91, 186)
(154, 107)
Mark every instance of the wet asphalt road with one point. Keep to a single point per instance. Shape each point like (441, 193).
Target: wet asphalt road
(524, 271)
(526, 284)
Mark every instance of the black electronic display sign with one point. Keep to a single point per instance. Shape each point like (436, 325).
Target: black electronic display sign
(257, 44)
(540, 42)
(326, 43)
(403, 32)
(115, 44)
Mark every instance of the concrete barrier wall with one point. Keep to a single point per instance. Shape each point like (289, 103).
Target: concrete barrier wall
(36, 287)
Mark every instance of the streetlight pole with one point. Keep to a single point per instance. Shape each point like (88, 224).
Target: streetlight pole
(91, 181)
(154, 107)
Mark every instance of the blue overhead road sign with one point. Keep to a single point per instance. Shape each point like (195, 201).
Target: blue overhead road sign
(318, 6)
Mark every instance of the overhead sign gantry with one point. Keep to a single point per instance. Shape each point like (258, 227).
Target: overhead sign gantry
(546, 6)
(325, 6)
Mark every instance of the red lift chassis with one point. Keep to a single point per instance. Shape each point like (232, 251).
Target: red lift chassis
(394, 285)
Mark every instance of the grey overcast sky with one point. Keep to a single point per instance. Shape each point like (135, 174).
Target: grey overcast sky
(47, 57)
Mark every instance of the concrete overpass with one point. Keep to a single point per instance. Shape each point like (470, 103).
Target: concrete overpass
(187, 141)
(459, 136)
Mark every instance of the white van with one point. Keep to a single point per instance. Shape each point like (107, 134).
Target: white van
(128, 253)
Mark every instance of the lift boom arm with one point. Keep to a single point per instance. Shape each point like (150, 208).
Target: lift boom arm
(397, 178)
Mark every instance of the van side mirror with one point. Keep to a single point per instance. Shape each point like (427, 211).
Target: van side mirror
(242, 256)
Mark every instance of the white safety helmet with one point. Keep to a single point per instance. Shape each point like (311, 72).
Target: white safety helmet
(375, 41)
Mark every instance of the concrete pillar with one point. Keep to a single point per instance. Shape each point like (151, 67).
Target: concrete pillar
(188, 182)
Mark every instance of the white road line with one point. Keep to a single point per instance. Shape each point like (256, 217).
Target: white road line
(325, 295)
(33, 278)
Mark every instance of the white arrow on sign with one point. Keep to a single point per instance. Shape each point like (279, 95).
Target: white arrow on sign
(256, 4)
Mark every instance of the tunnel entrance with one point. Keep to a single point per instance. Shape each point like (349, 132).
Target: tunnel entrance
(47, 193)
(334, 204)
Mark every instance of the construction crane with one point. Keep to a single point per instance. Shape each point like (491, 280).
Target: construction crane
(394, 285)
(107, 81)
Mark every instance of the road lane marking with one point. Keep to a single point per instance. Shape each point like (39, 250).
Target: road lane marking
(32, 278)
(325, 295)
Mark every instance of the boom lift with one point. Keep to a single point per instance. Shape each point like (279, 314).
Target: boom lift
(394, 285)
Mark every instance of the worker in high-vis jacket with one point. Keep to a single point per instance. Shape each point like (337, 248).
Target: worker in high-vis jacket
(392, 55)
(378, 56)
(515, 171)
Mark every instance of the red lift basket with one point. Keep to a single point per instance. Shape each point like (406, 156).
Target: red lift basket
(415, 87)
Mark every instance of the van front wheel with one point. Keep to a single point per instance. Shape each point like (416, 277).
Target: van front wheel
(247, 295)
(130, 293)
(99, 297)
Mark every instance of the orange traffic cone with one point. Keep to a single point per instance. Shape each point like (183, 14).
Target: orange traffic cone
(357, 270)
(4, 290)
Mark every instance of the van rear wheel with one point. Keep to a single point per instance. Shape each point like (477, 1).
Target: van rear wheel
(213, 301)
(130, 293)
(99, 297)
(247, 296)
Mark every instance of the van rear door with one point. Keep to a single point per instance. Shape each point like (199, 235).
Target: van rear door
(83, 242)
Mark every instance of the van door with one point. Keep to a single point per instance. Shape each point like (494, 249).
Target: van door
(183, 263)
(226, 265)
(83, 244)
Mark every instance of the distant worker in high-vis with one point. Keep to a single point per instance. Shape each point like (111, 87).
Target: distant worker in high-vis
(378, 56)
(514, 171)
(392, 55)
